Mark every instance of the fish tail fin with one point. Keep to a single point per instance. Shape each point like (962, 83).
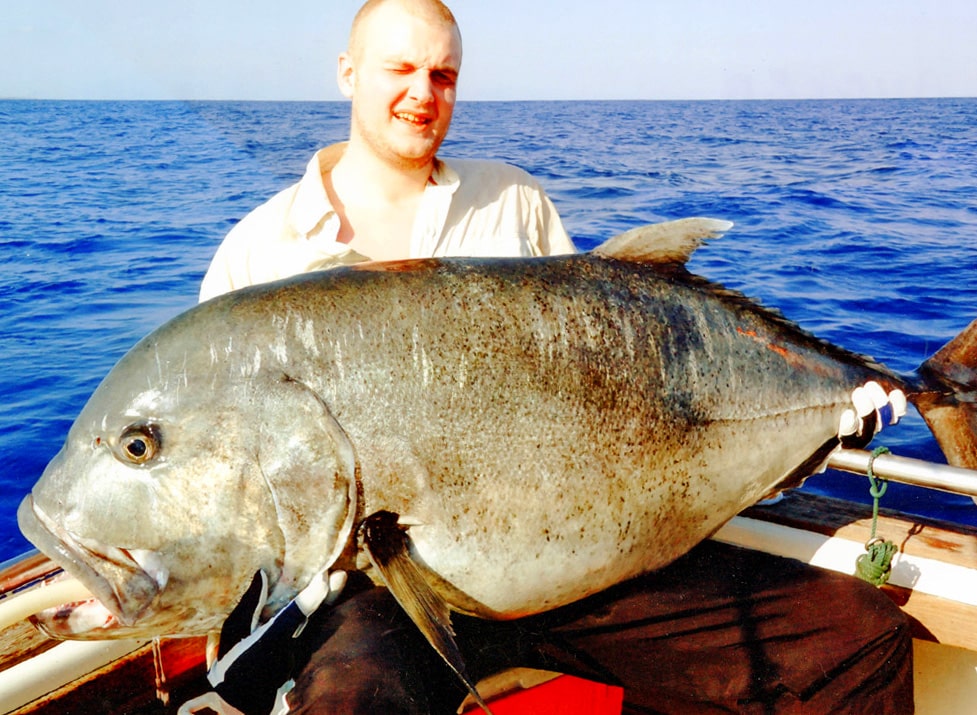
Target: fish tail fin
(948, 397)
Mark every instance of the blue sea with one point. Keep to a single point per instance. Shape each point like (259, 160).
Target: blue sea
(857, 219)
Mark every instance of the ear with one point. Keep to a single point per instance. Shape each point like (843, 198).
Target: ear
(345, 75)
(309, 466)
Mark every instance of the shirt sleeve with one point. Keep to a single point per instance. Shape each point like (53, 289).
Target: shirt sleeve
(498, 209)
(219, 277)
(246, 255)
(551, 237)
(229, 268)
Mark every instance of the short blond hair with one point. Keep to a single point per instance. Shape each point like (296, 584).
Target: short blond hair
(433, 9)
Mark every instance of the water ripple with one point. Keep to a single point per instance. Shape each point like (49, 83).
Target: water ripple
(858, 219)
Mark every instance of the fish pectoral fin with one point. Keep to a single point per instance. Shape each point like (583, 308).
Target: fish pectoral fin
(388, 547)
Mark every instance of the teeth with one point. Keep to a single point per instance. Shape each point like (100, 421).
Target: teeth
(412, 118)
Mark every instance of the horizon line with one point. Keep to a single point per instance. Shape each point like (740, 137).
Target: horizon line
(498, 101)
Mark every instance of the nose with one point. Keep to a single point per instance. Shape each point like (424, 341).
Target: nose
(421, 87)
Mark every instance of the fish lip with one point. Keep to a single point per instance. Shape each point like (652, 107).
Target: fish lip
(116, 579)
(86, 619)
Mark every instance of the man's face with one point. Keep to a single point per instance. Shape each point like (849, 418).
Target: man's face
(401, 74)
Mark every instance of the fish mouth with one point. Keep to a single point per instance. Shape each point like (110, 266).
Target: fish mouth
(125, 590)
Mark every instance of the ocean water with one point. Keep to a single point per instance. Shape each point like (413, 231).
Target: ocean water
(857, 219)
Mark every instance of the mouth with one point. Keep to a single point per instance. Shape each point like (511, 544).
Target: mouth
(417, 121)
(125, 583)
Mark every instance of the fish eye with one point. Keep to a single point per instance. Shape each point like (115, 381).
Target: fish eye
(139, 443)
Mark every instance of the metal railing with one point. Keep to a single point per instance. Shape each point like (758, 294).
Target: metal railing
(908, 471)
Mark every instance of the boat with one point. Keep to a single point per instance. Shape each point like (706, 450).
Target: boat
(933, 579)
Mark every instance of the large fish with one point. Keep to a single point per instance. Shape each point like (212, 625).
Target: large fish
(515, 434)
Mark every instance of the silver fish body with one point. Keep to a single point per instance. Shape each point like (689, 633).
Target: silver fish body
(545, 427)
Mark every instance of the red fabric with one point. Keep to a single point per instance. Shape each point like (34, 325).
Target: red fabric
(565, 695)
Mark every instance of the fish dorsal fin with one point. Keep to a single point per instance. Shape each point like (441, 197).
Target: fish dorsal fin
(668, 242)
(388, 546)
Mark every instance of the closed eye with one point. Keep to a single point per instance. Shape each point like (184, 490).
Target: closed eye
(445, 78)
(401, 69)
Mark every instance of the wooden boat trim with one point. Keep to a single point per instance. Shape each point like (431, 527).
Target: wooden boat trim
(25, 569)
(66, 662)
(934, 575)
(910, 571)
(138, 682)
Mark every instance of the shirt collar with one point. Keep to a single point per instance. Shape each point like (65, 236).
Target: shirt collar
(445, 176)
(311, 204)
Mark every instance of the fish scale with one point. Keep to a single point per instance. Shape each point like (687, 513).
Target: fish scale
(543, 428)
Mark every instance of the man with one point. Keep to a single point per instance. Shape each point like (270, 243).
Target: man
(721, 630)
(385, 194)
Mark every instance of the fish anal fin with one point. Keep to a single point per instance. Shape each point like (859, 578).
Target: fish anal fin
(668, 242)
(388, 547)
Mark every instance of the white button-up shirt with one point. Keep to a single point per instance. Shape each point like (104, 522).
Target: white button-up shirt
(470, 208)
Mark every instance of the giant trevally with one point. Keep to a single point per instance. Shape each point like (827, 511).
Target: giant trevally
(520, 433)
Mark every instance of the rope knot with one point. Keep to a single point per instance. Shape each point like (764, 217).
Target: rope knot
(875, 565)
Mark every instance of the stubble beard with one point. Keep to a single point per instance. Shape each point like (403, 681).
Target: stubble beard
(399, 152)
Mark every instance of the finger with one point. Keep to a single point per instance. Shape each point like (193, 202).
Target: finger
(864, 404)
(897, 398)
(858, 425)
(325, 587)
(208, 701)
(848, 424)
(877, 393)
(861, 400)
(242, 621)
(882, 405)
(337, 582)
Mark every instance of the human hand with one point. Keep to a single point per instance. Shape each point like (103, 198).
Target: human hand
(872, 409)
(253, 663)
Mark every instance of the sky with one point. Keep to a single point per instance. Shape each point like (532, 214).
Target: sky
(513, 49)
